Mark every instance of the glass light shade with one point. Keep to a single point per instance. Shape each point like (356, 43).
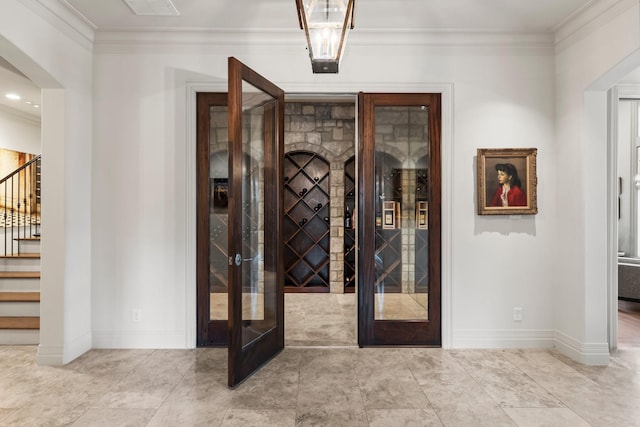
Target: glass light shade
(326, 24)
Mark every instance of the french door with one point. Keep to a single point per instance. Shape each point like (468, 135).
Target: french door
(255, 206)
(399, 228)
(212, 171)
(240, 220)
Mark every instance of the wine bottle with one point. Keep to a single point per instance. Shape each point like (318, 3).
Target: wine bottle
(347, 219)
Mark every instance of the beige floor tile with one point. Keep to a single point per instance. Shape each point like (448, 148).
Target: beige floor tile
(504, 382)
(425, 362)
(98, 417)
(189, 413)
(330, 416)
(275, 386)
(319, 386)
(403, 417)
(544, 417)
(50, 417)
(476, 415)
(259, 418)
(386, 382)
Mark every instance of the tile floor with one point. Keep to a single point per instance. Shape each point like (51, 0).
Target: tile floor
(319, 386)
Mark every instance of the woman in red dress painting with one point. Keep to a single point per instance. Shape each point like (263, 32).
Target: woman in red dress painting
(509, 192)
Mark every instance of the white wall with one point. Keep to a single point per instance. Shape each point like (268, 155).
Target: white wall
(38, 38)
(588, 50)
(503, 90)
(18, 132)
(508, 91)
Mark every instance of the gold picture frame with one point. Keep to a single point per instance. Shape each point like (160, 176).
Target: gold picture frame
(507, 181)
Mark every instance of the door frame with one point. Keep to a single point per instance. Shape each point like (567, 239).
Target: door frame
(319, 90)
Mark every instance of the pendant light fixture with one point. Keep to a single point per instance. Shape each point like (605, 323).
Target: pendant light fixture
(326, 24)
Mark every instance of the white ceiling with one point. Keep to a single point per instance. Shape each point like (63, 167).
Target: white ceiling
(514, 15)
(481, 15)
(13, 81)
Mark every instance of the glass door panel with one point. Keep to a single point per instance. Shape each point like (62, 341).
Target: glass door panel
(218, 214)
(212, 219)
(402, 246)
(399, 256)
(258, 283)
(256, 290)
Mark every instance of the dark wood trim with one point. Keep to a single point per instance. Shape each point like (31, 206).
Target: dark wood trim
(373, 332)
(366, 226)
(235, 221)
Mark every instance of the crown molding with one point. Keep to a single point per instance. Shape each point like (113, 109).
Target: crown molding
(123, 40)
(66, 18)
(585, 20)
(628, 90)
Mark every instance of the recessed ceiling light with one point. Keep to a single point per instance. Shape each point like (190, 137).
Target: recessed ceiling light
(152, 7)
(13, 96)
(28, 102)
(36, 106)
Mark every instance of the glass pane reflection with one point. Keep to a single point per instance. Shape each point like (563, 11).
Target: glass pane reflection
(402, 250)
(218, 217)
(258, 262)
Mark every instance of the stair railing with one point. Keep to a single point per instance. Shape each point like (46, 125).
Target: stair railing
(20, 205)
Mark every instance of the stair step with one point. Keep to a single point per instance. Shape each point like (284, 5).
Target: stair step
(19, 274)
(33, 255)
(19, 323)
(28, 239)
(19, 296)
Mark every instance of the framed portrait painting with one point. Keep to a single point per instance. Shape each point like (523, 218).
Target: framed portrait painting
(507, 182)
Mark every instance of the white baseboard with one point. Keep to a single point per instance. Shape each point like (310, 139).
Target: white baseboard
(57, 355)
(77, 347)
(139, 340)
(585, 353)
(50, 355)
(503, 338)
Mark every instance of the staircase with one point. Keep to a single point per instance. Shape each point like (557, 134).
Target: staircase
(20, 255)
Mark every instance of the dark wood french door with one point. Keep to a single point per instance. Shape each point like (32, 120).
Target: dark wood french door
(399, 229)
(212, 174)
(255, 206)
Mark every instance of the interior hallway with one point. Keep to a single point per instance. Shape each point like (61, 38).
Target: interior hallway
(312, 385)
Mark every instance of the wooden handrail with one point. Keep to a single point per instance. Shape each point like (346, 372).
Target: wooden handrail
(20, 209)
(26, 165)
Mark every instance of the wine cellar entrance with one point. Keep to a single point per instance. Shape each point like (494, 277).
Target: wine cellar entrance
(321, 222)
(319, 202)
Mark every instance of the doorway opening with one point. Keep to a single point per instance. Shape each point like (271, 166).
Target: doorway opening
(628, 285)
(319, 221)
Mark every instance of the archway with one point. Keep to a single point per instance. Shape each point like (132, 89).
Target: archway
(599, 138)
(52, 338)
